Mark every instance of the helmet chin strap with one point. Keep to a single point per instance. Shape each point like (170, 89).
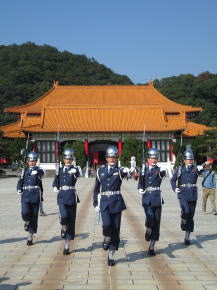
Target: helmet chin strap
(112, 164)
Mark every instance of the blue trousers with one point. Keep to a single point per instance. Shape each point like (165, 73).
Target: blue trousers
(29, 212)
(153, 218)
(187, 213)
(111, 224)
(68, 217)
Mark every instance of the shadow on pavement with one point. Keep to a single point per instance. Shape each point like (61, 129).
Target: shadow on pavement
(14, 240)
(82, 236)
(94, 246)
(10, 286)
(203, 238)
(132, 257)
(194, 242)
(52, 240)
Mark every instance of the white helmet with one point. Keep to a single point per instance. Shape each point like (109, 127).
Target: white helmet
(112, 151)
(153, 153)
(188, 155)
(32, 156)
(68, 153)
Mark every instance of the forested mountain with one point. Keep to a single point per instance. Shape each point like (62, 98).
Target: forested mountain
(199, 91)
(27, 71)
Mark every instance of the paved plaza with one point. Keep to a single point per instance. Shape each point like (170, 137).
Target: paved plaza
(43, 266)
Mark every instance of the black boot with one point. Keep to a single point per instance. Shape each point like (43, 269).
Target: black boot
(29, 242)
(187, 242)
(66, 248)
(151, 252)
(111, 262)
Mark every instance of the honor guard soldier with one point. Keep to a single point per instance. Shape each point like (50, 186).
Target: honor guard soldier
(150, 179)
(108, 200)
(29, 188)
(184, 184)
(64, 186)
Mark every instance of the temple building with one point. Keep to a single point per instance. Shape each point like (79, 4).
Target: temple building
(100, 116)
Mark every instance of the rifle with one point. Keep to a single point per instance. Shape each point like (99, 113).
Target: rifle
(143, 157)
(180, 164)
(57, 152)
(24, 152)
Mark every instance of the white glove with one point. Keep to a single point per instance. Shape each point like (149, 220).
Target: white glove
(56, 190)
(19, 192)
(199, 167)
(97, 209)
(72, 171)
(177, 190)
(34, 172)
(141, 191)
(126, 170)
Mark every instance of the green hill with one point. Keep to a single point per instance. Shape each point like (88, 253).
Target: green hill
(197, 91)
(27, 71)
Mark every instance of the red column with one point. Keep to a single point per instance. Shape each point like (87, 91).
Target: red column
(148, 143)
(120, 146)
(34, 147)
(86, 146)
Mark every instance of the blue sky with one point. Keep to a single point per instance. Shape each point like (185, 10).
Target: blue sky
(142, 39)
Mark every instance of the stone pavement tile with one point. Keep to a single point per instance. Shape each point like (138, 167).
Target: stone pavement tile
(180, 287)
(210, 286)
(139, 281)
(113, 281)
(206, 277)
(135, 287)
(172, 277)
(87, 287)
(193, 283)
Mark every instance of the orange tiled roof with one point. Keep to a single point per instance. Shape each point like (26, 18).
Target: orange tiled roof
(104, 119)
(12, 130)
(101, 96)
(194, 129)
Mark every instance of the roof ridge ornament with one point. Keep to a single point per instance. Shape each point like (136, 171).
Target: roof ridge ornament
(151, 84)
(55, 83)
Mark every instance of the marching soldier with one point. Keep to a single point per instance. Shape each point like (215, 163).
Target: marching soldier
(150, 179)
(184, 184)
(29, 188)
(64, 186)
(108, 200)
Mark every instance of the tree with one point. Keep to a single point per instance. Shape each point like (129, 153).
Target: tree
(80, 154)
(131, 147)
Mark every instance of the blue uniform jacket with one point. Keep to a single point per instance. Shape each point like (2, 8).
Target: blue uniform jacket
(66, 178)
(151, 179)
(186, 177)
(109, 181)
(32, 177)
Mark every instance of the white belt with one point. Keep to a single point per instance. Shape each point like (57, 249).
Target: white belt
(65, 187)
(188, 185)
(108, 193)
(31, 187)
(152, 188)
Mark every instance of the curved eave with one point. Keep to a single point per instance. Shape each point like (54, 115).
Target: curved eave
(12, 130)
(194, 129)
